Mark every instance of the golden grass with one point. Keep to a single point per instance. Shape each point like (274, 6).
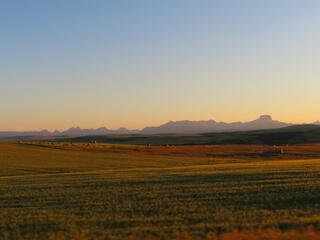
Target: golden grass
(304, 151)
(61, 193)
(309, 233)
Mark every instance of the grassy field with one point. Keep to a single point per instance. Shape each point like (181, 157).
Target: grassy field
(77, 191)
(217, 152)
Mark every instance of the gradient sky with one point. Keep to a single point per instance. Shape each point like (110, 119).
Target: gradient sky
(137, 63)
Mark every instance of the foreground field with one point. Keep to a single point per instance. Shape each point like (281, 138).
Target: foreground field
(217, 152)
(54, 193)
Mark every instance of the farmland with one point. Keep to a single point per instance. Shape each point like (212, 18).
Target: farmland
(105, 191)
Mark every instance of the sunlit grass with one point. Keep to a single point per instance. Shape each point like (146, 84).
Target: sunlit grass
(48, 193)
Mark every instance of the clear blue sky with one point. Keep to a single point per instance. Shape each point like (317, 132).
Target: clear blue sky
(137, 63)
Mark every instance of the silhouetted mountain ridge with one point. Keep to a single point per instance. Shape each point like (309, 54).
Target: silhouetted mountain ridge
(192, 127)
(294, 134)
(172, 127)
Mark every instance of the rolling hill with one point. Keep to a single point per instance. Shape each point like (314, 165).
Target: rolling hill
(298, 134)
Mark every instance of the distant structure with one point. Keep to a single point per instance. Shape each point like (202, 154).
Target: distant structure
(274, 150)
(93, 141)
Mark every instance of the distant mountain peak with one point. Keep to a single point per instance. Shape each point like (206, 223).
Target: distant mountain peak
(74, 128)
(102, 128)
(171, 127)
(193, 127)
(265, 118)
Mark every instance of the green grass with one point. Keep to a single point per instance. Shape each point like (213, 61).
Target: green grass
(90, 195)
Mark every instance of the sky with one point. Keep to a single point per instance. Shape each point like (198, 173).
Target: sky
(124, 63)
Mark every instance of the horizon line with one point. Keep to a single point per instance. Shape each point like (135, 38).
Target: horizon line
(52, 130)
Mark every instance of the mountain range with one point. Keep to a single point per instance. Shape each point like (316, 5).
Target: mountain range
(177, 127)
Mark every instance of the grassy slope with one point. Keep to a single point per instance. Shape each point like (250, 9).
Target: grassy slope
(97, 195)
(200, 153)
(17, 159)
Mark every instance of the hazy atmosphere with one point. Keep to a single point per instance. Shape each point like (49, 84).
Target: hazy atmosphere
(159, 120)
(143, 63)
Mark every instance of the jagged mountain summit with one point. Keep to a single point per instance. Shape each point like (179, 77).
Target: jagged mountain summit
(77, 131)
(180, 127)
(191, 127)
